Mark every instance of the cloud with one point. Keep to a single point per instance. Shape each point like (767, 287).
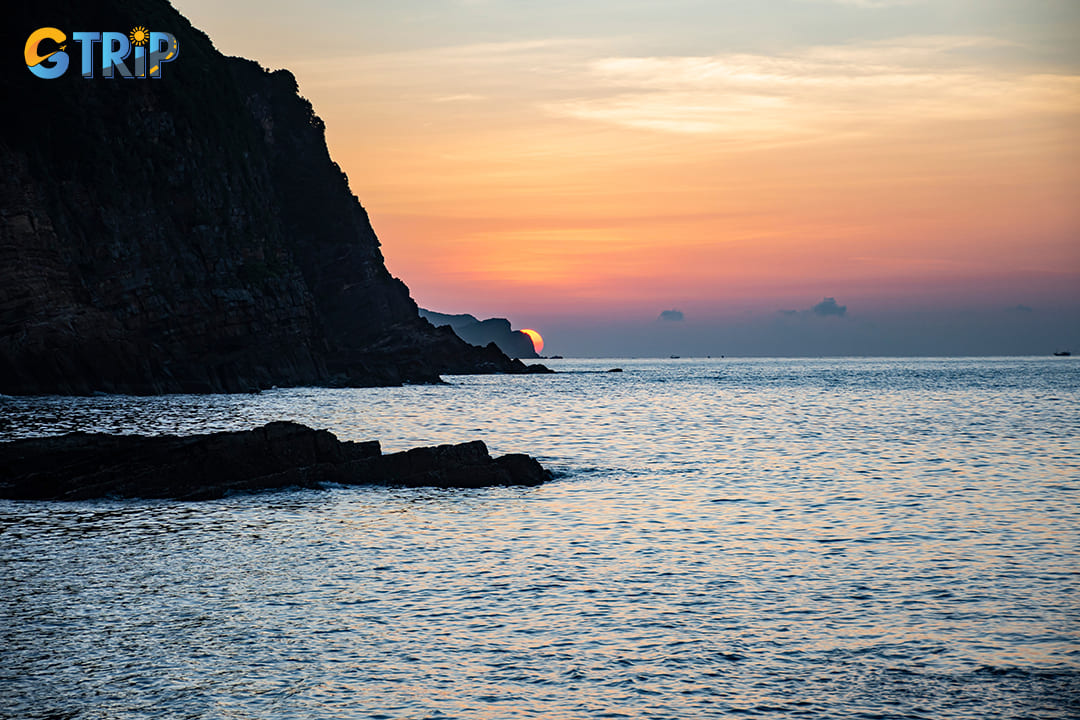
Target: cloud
(671, 316)
(806, 93)
(828, 307)
(870, 3)
(464, 97)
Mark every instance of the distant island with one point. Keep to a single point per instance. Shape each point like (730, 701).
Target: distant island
(191, 234)
(514, 343)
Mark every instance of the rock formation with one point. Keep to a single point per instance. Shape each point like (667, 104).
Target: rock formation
(80, 466)
(189, 234)
(514, 343)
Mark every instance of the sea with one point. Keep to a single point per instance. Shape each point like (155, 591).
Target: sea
(724, 538)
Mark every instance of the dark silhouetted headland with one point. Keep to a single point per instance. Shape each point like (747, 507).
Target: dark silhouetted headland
(514, 343)
(189, 234)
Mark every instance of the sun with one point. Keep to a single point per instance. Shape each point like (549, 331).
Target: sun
(139, 35)
(537, 340)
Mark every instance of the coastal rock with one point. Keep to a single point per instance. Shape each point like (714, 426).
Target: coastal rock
(81, 466)
(514, 343)
(189, 234)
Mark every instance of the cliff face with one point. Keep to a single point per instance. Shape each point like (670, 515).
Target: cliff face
(189, 233)
(514, 343)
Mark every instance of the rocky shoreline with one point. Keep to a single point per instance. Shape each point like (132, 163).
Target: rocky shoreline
(83, 466)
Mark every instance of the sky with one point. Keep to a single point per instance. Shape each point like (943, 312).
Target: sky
(582, 167)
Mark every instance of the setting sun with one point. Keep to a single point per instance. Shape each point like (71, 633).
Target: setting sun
(803, 444)
(537, 339)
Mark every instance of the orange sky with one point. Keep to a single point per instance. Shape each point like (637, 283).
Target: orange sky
(569, 164)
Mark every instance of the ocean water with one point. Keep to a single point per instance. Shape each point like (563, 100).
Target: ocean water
(850, 538)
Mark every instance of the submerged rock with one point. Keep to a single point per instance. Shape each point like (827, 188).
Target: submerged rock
(80, 466)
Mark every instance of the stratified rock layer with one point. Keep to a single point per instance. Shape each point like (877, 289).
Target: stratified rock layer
(80, 466)
(188, 234)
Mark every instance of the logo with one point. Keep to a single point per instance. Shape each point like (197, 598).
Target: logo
(47, 51)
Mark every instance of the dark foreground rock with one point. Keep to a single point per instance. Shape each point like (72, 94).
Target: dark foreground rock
(189, 234)
(80, 466)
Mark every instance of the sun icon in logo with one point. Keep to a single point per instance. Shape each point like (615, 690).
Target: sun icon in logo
(139, 35)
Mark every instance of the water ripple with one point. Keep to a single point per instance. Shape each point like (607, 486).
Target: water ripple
(760, 539)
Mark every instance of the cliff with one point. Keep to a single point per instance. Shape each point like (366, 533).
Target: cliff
(188, 234)
(481, 332)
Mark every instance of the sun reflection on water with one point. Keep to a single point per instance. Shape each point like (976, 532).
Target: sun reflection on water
(754, 537)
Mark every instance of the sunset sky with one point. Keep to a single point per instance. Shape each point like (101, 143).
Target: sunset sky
(579, 167)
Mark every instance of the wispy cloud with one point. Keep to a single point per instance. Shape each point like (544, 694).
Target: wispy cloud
(798, 94)
(819, 89)
(870, 3)
(463, 97)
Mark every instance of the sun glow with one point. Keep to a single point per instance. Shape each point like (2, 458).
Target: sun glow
(537, 340)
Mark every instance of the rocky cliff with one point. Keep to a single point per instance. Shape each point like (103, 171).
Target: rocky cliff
(189, 233)
(514, 343)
